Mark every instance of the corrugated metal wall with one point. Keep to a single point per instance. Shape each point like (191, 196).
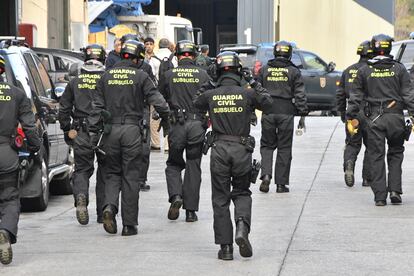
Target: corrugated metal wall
(257, 15)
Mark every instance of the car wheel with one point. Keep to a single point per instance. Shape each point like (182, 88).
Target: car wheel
(64, 186)
(40, 175)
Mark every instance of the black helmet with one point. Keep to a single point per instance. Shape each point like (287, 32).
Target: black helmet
(133, 49)
(381, 44)
(364, 49)
(95, 51)
(283, 49)
(228, 60)
(185, 46)
(2, 65)
(127, 37)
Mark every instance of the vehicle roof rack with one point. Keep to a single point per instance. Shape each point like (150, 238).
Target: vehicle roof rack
(7, 41)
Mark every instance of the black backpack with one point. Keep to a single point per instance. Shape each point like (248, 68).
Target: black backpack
(165, 65)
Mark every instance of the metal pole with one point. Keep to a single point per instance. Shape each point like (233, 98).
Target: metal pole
(162, 16)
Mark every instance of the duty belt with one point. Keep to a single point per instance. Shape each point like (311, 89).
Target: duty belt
(231, 138)
(192, 116)
(398, 108)
(126, 120)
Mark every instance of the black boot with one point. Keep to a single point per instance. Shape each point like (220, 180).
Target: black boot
(264, 187)
(109, 221)
(190, 216)
(242, 238)
(380, 203)
(395, 198)
(144, 187)
(6, 253)
(349, 173)
(82, 209)
(174, 211)
(282, 189)
(129, 230)
(99, 219)
(226, 252)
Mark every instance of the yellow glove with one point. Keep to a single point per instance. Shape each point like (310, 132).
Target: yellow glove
(352, 126)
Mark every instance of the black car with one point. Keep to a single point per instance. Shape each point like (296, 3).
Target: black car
(321, 79)
(58, 62)
(25, 70)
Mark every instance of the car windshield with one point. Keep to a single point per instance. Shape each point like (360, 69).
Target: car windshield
(408, 56)
(19, 71)
(395, 48)
(181, 33)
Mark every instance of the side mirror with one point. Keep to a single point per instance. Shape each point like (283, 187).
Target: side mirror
(331, 66)
(200, 37)
(73, 70)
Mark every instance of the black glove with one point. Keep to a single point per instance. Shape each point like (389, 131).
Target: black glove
(343, 117)
(155, 115)
(248, 76)
(68, 141)
(303, 113)
(253, 119)
(165, 125)
(36, 157)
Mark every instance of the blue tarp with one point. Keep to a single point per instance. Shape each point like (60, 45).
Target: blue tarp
(107, 18)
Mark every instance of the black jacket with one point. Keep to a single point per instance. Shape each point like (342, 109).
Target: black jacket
(112, 59)
(345, 85)
(122, 91)
(382, 80)
(230, 106)
(284, 82)
(180, 85)
(76, 101)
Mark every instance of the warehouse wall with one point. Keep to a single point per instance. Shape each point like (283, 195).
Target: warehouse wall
(333, 28)
(258, 16)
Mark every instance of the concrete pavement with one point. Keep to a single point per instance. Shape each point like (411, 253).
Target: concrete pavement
(320, 228)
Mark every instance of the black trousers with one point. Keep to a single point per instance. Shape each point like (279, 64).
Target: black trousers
(353, 146)
(189, 137)
(100, 185)
(84, 167)
(146, 150)
(230, 166)
(277, 133)
(121, 170)
(388, 128)
(9, 203)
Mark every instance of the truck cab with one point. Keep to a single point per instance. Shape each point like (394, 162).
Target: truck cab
(175, 28)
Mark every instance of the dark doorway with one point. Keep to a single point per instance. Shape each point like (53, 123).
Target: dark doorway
(8, 17)
(217, 18)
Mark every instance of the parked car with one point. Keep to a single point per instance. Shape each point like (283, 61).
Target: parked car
(320, 78)
(403, 51)
(58, 62)
(25, 70)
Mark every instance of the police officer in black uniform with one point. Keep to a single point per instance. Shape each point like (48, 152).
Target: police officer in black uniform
(179, 87)
(15, 108)
(230, 107)
(121, 94)
(284, 82)
(144, 124)
(384, 84)
(75, 108)
(353, 143)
